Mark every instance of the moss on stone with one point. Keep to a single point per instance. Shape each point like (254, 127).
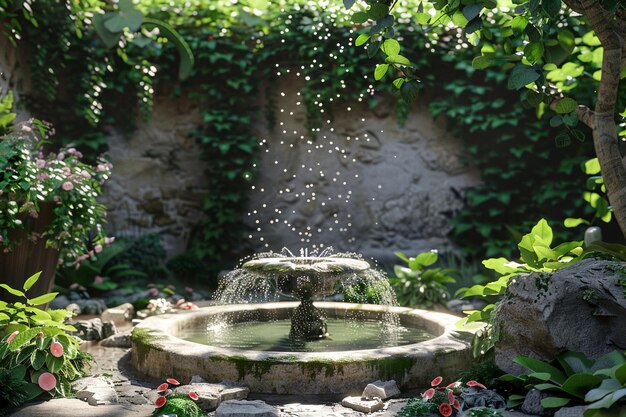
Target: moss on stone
(144, 340)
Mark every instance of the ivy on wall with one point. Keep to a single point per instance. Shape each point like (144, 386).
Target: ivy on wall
(82, 87)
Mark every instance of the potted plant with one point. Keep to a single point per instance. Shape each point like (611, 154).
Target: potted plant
(49, 213)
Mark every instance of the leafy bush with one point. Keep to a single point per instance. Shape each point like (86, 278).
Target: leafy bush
(573, 378)
(144, 253)
(187, 267)
(36, 353)
(98, 272)
(418, 285)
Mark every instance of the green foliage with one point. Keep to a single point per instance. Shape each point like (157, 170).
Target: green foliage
(98, 272)
(144, 253)
(6, 115)
(484, 412)
(417, 407)
(417, 284)
(486, 371)
(366, 293)
(573, 378)
(179, 405)
(35, 342)
(187, 267)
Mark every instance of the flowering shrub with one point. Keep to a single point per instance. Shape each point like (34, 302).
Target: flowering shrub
(36, 353)
(28, 178)
(442, 399)
(170, 402)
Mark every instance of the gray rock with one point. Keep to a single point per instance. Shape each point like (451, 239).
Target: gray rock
(381, 389)
(74, 308)
(237, 408)
(95, 391)
(571, 411)
(532, 402)
(108, 329)
(89, 329)
(363, 406)
(478, 397)
(212, 395)
(579, 308)
(60, 301)
(91, 306)
(121, 313)
(196, 379)
(119, 340)
(234, 393)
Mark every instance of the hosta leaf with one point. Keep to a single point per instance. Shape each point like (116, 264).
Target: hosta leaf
(31, 281)
(554, 402)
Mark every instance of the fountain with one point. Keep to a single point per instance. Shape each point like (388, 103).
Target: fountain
(258, 336)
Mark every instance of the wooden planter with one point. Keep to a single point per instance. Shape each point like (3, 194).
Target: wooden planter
(28, 258)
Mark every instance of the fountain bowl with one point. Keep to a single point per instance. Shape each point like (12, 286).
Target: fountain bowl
(158, 352)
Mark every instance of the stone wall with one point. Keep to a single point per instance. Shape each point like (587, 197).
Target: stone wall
(401, 183)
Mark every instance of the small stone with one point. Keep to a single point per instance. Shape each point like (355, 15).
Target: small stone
(571, 411)
(478, 397)
(234, 393)
(108, 329)
(119, 314)
(95, 391)
(120, 340)
(363, 406)
(532, 402)
(237, 408)
(381, 389)
(208, 394)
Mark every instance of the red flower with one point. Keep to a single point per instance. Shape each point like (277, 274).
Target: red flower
(46, 381)
(193, 395)
(473, 383)
(428, 394)
(160, 402)
(56, 349)
(451, 397)
(445, 409)
(163, 387)
(456, 404)
(172, 381)
(436, 381)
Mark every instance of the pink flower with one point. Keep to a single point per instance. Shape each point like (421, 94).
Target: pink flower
(172, 381)
(193, 395)
(12, 336)
(451, 397)
(98, 279)
(160, 402)
(428, 394)
(40, 334)
(473, 383)
(163, 387)
(41, 163)
(47, 381)
(98, 248)
(436, 381)
(56, 349)
(179, 302)
(67, 186)
(445, 409)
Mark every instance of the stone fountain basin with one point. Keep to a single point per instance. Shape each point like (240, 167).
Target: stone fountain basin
(158, 353)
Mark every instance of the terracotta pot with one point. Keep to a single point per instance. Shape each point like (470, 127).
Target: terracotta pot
(27, 257)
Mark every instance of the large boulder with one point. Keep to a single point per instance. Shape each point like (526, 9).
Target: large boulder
(580, 308)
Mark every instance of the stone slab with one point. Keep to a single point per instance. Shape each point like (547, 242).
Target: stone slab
(381, 389)
(64, 407)
(571, 411)
(239, 408)
(364, 406)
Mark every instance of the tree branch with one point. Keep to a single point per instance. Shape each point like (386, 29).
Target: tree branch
(584, 113)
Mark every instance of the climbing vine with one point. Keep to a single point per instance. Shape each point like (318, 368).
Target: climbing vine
(83, 87)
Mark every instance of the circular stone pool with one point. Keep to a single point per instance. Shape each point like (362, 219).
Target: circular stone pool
(434, 348)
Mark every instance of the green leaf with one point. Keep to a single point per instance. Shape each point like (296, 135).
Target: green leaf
(31, 281)
(572, 222)
(566, 105)
(543, 231)
(361, 39)
(380, 71)
(38, 359)
(184, 51)
(409, 91)
(110, 39)
(554, 402)
(606, 387)
(500, 265)
(391, 47)
(543, 376)
(481, 62)
(536, 365)
(426, 258)
(12, 290)
(398, 59)
(472, 10)
(521, 76)
(592, 166)
(42, 299)
(579, 384)
(54, 364)
(533, 51)
(359, 17)
(22, 338)
(566, 40)
(372, 49)
(377, 11)
(551, 7)
(348, 4)
(519, 23)
(398, 83)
